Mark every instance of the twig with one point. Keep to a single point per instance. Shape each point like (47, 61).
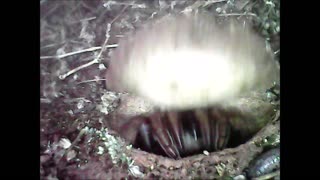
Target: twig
(267, 176)
(88, 19)
(50, 11)
(81, 133)
(133, 4)
(77, 99)
(277, 116)
(213, 2)
(45, 100)
(114, 19)
(198, 4)
(51, 45)
(238, 14)
(82, 20)
(91, 80)
(78, 52)
(97, 59)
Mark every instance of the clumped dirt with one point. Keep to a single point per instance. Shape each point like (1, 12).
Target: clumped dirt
(76, 109)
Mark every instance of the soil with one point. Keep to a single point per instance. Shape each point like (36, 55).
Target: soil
(76, 108)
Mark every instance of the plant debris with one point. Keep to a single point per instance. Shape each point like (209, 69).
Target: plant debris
(77, 39)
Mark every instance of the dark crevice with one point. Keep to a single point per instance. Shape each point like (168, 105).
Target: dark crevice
(190, 129)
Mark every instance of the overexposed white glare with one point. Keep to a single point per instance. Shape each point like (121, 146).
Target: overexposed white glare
(190, 61)
(172, 75)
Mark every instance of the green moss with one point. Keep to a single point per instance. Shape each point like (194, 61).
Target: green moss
(114, 147)
(270, 141)
(268, 13)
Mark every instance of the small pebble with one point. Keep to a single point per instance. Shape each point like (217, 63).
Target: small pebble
(239, 177)
(64, 143)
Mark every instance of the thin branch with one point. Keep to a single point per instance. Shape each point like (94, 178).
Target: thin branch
(128, 4)
(82, 20)
(51, 45)
(198, 4)
(45, 100)
(78, 52)
(213, 2)
(238, 14)
(76, 100)
(97, 59)
(88, 19)
(91, 80)
(77, 69)
(119, 14)
(46, 14)
(81, 133)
